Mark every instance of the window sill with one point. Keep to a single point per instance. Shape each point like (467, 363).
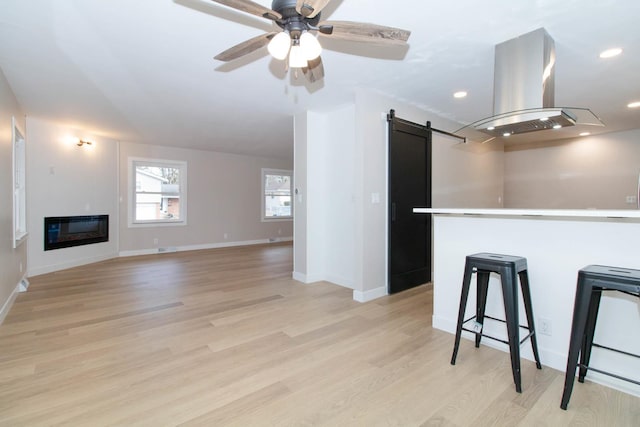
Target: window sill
(277, 219)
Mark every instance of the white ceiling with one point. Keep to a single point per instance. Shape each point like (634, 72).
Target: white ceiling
(144, 71)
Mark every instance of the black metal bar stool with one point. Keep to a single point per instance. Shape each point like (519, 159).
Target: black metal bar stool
(510, 268)
(592, 280)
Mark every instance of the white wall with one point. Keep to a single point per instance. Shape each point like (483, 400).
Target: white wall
(325, 220)
(455, 166)
(339, 201)
(347, 148)
(65, 180)
(371, 178)
(592, 172)
(317, 210)
(13, 262)
(300, 227)
(224, 197)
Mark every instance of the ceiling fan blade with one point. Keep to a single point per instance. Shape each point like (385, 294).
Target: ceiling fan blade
(314, 70)
(362, 32)
(245, 48)
(252, 8)
(310, 8)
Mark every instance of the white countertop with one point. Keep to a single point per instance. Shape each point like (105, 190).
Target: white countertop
(575, 213)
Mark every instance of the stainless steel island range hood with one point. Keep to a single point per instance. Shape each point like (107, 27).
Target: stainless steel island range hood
(524, 90)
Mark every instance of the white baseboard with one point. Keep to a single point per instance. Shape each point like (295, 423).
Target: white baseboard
(365, 296)
(203, 246)
(548, 358)
(9, 303)
(444, 324)
(79, 262)
(313, 278)
(614, 383)
(340, 281)
(306, 278)
(299, 277)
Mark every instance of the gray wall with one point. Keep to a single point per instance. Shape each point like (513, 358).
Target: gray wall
(224, 196)
(593, 172)
(13, 262)
(467, 175)
(66, 180)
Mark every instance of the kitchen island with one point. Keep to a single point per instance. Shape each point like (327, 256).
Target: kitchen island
(556, 243)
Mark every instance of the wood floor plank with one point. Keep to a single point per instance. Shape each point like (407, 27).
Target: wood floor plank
(433, 382)
(225, 337)
(545, 413)
(245, 405)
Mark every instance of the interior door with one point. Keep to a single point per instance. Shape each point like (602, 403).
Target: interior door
(409, 258)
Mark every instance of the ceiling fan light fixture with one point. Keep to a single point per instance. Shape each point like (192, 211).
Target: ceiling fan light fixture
(296, 57)
(299, 20)
(310, 46)
(279, 45)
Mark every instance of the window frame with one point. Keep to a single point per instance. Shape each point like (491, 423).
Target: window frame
(132, 186)
(19, 183)
(268, 171)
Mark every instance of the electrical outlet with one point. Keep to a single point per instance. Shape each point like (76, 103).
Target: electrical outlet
(544, 326)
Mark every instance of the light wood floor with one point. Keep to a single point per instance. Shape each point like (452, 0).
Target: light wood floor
(226, 337)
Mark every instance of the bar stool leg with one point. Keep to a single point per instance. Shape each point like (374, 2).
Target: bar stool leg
(482, 280)
(528, 308)
(466, 282)
(589, 330)
(510, 295)
(580, 312)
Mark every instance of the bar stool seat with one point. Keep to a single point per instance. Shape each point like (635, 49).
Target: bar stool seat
(592, 280)
(510, 268)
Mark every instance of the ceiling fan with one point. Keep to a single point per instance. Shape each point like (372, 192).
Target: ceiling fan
(297, 19)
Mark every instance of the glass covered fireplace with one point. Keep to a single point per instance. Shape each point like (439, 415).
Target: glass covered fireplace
(66, 231)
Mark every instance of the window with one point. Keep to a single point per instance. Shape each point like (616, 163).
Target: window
(158, 192)
(19, 186)
(276, 194)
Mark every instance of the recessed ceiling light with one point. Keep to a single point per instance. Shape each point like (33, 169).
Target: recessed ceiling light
(634, 104)
(557, 126)
(460, 94)
(506, 134)
(585, 134)
(544, 119)
(610, 53)
(491, 128)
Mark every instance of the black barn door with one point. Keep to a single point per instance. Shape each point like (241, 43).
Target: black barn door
(409, 258)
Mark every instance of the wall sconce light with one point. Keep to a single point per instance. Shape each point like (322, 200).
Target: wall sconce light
(81, 143)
